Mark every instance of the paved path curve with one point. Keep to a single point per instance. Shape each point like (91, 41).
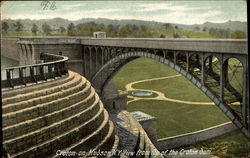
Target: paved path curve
(160, 95)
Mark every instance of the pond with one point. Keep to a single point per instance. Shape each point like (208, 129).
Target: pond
(142, 94)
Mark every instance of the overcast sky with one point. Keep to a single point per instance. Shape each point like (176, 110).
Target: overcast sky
(182, 12)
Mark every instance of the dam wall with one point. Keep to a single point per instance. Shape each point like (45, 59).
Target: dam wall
(9, 48)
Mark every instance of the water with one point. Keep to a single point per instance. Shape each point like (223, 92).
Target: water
(142, 94)
(7, 62)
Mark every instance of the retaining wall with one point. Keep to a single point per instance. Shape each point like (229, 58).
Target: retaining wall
(9, 48)
(194, 137)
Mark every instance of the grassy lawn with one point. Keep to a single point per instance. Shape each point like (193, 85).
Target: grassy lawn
(141, 69)
(175, 88)
(176, 118)
(170, 116)
(230, 145)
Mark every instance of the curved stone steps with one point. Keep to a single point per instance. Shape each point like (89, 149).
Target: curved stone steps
(50, 147)
(108, 142)
(92, 140)
(114, 147)
(44, 92)
(35, 86)
(46, 120)
(61, 84)
(67, 88)
(116, 143)
(49, 107)
(53, 130)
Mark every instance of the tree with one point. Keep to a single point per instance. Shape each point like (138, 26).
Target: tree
(71, 29)
(46, 29)
(212, 31)
(162, 36)
(89, 28)
(197, 28)
(143, 28)
(62, 30)
(19, 26)
(110, 30)
(176, 35)
(5, 26)
(167, 26)
(204, 29)
(34, 29)
(238, 34)
(100, 27)
(126, 31)
(135, 28)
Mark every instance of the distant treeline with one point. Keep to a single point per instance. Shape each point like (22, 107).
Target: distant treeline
(129, 30)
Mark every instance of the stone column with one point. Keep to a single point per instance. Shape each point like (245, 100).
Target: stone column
(223, 78)
(87, 61)
(187, 68)
(245, 99)
(203, 69)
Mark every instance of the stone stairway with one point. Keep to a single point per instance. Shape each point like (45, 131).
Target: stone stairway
(60, 114)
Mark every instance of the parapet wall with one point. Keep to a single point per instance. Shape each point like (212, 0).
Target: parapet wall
(194, 137)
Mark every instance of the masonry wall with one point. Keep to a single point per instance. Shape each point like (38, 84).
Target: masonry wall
(9, 48)
(194, 137)
(72, 51)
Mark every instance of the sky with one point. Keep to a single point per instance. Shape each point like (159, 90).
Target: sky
(180, 12)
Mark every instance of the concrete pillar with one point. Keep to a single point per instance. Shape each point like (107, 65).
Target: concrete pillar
(210, 63)
(99, 59)
(203, 69)
(175, 57)
(102, 56)
(23, 55)
(87, 62)
(92, 62)
(223, 78)
(96, 60)
(245, 99)
(84, 60)
(20, 52)
(108, 54)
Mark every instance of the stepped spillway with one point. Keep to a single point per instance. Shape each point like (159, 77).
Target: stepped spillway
(60, 114)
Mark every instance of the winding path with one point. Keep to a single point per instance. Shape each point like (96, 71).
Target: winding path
(160, 96)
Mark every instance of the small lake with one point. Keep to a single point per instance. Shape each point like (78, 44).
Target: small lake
(142, 94)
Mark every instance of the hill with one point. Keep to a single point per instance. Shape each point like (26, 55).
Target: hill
(55, 23)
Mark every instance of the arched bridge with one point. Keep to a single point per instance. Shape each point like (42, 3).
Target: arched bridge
(219, 68)
(212, 66)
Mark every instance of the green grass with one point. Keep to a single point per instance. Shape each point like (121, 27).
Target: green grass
(170, 116)
(231, 145)
(176, 118)
(175, 88)
(140, 69)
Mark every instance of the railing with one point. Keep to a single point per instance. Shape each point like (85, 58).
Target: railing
(52, 66)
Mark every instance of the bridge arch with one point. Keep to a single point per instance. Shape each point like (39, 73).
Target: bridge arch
(110, 68)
